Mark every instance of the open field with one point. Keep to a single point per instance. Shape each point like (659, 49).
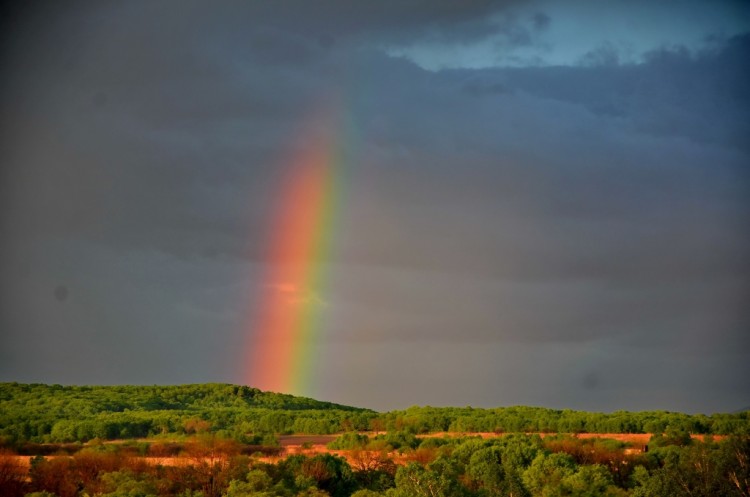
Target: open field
(310, 445)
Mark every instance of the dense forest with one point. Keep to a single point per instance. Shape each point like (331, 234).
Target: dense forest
(54, 413)
(221, 440)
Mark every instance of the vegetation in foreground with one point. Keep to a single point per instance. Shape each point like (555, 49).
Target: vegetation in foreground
(511, 465)
(218, 440)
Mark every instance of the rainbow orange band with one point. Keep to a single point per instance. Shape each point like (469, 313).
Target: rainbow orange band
(289, 317)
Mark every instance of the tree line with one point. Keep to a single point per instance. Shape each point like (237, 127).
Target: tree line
(40, 413)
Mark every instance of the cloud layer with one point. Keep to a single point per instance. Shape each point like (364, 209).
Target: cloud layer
(568, 236)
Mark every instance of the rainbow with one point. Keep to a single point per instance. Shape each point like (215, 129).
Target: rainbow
(288, 320)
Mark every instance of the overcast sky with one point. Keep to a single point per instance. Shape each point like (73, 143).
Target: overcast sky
(547, 204)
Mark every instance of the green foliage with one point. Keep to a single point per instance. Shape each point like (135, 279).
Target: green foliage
(415, 480)
(53, 413)
(330, 473)
(486, 470)
(62, 414)
(547, 472)
(399, 440)
(208, 424)
(591, 481)
(349, 441)
(125, 483)
(366, 493)
(672, 437)
(432, 443)
(257, 483)
(699, 469)
(536, 419)
(517, 465)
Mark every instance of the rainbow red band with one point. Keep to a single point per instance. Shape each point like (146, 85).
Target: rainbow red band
(288, 322)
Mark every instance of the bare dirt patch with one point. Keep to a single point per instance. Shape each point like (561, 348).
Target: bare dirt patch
(311, 445)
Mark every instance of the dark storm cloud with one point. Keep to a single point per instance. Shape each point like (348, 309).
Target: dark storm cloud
(672, 93)
(603, 224)
(541, 20)
(604, 55)
(387, 21)
(522, 214)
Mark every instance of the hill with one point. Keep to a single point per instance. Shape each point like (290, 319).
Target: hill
(169, 397)
(56, 413)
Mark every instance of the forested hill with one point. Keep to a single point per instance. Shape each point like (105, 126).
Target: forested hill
(54, 413)
(154, 398)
